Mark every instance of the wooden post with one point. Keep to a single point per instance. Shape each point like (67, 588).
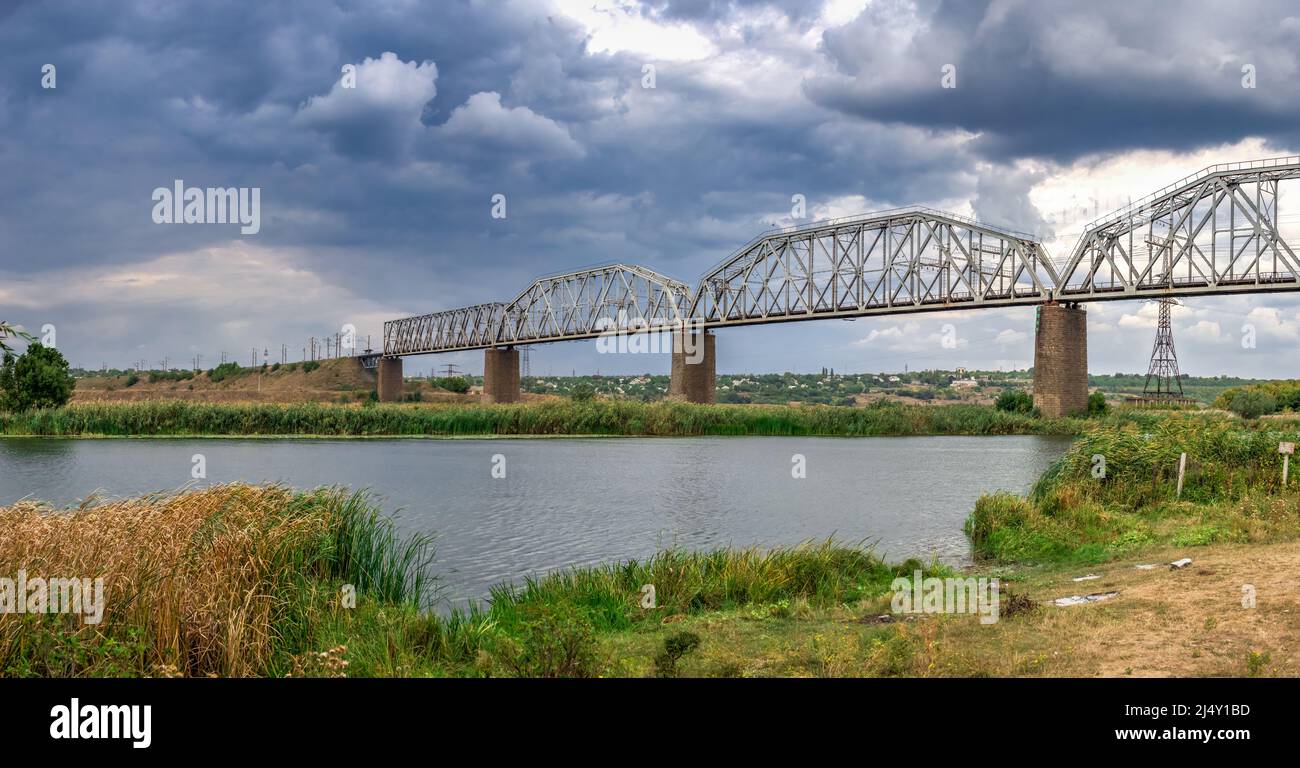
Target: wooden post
(1182, 468)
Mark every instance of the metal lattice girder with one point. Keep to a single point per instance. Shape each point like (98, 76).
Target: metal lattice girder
(909, 259)
(1213, 232)
(589, 302)
(466, 328)
(575, 305)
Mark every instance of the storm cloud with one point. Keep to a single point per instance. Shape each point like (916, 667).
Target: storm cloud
(377, 193)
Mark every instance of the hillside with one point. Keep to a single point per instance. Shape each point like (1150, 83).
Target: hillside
(330, 381)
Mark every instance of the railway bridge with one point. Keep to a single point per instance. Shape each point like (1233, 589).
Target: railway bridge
(1212, 233)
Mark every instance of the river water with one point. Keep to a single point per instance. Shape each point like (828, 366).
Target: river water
(565, 502)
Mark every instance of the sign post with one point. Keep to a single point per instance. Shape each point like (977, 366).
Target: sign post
(1286, 449)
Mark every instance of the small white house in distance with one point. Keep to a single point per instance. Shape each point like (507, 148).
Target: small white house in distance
(964, 383)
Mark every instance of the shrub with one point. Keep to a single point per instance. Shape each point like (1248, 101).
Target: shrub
(675, 647)
(554, 640)
(224, 371)
(457, 384)
(132, 380)
(582, 392)
(1015, 401)
(1097, 404)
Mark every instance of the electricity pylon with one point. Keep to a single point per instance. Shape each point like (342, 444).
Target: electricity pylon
(1163, 380)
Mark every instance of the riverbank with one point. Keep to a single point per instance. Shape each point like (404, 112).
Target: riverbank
(250, 581)
(597, 417)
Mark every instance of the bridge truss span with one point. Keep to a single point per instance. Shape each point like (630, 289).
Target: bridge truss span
(612, 298)
(910, 259)
(1217, 231)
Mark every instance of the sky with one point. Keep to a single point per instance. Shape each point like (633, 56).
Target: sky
(378, 134)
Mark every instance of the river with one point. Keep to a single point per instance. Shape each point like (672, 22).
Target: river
(576, 501)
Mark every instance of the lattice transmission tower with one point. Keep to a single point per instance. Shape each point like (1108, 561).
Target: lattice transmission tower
(1163, 380)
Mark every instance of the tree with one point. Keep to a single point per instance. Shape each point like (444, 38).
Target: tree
(38, 378)
(1251, 404)
(7, 331)
(582, 391)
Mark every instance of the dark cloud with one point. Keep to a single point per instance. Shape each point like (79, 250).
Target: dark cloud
(379, 198)
(1061, 80)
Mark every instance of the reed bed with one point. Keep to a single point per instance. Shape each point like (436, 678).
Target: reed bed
(221, 581)
(603, 417)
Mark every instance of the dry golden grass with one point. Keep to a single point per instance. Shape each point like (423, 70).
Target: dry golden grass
(195, 575)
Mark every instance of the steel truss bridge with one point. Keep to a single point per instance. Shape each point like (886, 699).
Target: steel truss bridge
(1215, 232)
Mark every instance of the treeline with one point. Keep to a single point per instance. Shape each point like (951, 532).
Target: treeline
(1261, 399)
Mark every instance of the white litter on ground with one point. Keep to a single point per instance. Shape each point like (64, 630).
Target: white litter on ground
(1089, 577)
(1186, 561)
(1083, 599)
(1146, 567)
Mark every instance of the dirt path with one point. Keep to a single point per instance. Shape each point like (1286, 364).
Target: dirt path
(1187, 622)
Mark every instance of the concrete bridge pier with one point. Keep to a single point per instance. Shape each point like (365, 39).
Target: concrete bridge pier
(694, 372)
(500, 375)
(1061, 359)
(390, 379)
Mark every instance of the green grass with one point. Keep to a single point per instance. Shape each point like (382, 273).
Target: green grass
(552, 418)
(1232, 492)
(549, 626)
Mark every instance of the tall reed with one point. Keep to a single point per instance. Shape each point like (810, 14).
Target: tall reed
(220, 581)
(547, 418)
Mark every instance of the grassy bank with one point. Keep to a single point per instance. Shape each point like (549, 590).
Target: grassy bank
(252, 581)
(551, 418)
(240, 580)
(1115, 492)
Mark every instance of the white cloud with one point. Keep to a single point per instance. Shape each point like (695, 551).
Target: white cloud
(1011, 336)
(614, 27)
(483, 117)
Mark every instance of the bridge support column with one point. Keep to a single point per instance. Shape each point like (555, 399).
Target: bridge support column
(390, 379)
(694, 373)
(500, 375)
(1061, 360)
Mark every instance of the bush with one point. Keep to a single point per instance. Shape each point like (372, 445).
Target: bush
(38, 378)
(457, 384)
(224, 371)
(1015, 401)
(1097, 404)
(675, 647)
(553, 641)
(310, 365)
(132, 380)
(582, 392)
